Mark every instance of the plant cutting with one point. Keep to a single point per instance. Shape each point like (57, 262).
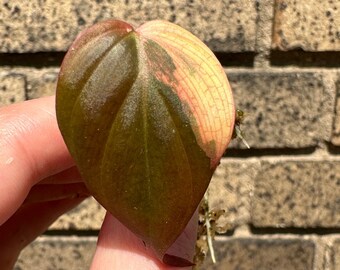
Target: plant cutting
(147, 114)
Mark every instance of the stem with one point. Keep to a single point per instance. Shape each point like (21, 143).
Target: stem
(208, 227)
(240, 136)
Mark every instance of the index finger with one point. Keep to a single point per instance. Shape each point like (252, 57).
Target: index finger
(31, 149)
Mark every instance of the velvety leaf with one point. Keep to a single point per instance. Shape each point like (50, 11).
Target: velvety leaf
(146, 113)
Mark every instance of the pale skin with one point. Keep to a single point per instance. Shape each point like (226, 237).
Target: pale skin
(39, 182)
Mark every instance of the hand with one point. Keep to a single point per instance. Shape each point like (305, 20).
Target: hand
(39, 182)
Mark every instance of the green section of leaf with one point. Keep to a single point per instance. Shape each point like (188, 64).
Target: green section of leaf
(131, 136)
(153, 170)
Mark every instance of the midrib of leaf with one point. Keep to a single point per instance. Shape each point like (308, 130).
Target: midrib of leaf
(143, 78)
(145, 138)
(145, 81)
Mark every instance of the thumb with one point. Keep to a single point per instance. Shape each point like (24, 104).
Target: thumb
(119, 248)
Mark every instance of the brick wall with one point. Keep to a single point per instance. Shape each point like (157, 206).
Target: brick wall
(282, 57)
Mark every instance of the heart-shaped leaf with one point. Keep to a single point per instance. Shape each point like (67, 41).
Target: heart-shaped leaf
(147, 114)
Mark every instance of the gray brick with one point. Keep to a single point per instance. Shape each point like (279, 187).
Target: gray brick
(36, 82)
(336, 126)
(262, 253)
(41, 83)
(284, 109)
(12, 88)
(312, 25)
(89, 215)
(57, 253)
(231, 189)
(30, 27)
(264, 32)
(297, 193)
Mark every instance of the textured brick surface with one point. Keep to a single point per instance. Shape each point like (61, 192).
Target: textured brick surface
(264, 32)
(231, 189)
(283, 109)
(47, 253)
(40, 84)
(336, 130)
(12, 88)
(312, 25)
(262, 253)
(89, 215)
(297, 193)
(29, 26)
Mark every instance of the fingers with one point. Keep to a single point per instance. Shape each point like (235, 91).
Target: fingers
(119, 248)
(31, 149)
(28, 223)
(50, 192)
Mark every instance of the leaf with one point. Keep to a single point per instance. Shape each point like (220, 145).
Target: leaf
(147, 114)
